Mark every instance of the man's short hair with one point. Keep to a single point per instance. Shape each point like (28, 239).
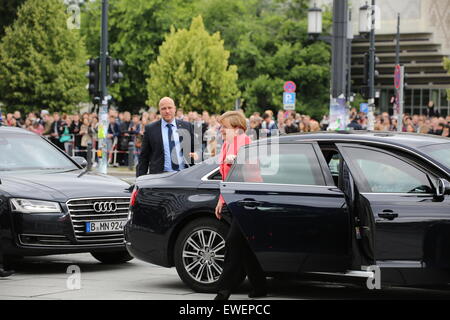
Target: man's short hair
(166, 99)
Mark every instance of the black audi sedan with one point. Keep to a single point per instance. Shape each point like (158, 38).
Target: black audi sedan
(325, 204)
(50, 204)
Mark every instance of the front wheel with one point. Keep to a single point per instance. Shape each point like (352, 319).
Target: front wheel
(114, 257)
(199, 254)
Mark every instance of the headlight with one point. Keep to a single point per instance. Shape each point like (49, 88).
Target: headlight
(35, 206)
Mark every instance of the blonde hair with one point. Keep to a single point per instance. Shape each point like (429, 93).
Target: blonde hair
(236, 119)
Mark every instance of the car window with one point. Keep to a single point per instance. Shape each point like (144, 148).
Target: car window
(440, 152)
(30, 152)
(333, 165)
(385, 173)
(283, 164)
(215, 176)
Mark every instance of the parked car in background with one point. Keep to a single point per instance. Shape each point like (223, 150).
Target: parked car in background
(330, 203)
(50, 204)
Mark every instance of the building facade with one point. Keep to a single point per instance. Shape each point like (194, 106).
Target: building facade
(424, 43)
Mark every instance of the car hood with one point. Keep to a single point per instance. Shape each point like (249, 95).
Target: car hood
(62, 186)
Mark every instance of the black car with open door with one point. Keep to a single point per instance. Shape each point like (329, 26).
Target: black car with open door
(339, 203)
(327, 203)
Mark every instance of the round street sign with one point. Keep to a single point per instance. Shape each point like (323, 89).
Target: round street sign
(397, 77)
(290, 87)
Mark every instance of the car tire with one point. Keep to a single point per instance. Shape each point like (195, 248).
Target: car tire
(114, 257)
(208, 257)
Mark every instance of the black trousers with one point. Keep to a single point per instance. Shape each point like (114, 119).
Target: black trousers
(1, 254)
(240, 257)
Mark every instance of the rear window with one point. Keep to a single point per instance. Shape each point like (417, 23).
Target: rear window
(282, 164)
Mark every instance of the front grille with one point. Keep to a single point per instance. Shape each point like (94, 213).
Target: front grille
(44, 240)
(82, 211)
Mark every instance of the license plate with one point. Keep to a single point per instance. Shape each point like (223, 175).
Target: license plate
(105, 226)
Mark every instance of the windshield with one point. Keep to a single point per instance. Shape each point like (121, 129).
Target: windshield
(439, 152)
(30, 152)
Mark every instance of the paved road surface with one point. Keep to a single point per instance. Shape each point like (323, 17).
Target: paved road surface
(46, 278)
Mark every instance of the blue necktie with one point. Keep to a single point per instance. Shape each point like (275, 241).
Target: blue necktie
(175, 166)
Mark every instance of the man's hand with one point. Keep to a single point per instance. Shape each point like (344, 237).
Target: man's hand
(219, 210)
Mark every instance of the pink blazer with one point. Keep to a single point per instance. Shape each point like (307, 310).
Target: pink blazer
(238, 141)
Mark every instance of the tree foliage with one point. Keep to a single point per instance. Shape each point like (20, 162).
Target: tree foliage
(42, 62)
(136, 30)
(269, 44)
(192, 68)
(8, 13)
(267, 40)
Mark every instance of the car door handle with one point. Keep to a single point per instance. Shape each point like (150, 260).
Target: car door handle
(388, 214)
(249, 203)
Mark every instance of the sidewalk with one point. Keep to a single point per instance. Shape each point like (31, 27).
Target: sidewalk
(121, 172)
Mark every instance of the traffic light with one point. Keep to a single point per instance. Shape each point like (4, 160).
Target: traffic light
(376, 73)
(114, 70)
(93, 76)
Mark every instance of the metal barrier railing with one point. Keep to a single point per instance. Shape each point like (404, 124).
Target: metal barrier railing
(92, 154)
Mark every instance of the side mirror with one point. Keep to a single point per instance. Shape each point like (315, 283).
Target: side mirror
(80, 161)
(443, 188)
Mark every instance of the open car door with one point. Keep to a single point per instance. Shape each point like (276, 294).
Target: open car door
(285, 201)
(400, 218)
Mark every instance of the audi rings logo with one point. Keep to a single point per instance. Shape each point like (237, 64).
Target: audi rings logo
(105, 207)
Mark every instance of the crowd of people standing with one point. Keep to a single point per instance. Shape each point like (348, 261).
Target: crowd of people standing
(74, 132)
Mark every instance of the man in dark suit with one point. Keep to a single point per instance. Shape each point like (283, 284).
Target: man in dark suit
(168, 144)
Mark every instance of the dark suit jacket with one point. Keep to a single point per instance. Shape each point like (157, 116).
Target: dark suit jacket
(151, 159)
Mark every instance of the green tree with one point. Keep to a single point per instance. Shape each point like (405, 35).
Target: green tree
(136, 30)
(42, 62)
(268, 42)
(8, 12)
(192, 68)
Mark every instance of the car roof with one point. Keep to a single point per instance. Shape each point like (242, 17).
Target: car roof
(405, 139)
(4, 129)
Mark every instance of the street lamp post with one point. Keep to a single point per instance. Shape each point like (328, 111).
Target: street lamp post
(349, 57)
(103, 114)
(339, 46)
(314, 21)
(371, 101)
